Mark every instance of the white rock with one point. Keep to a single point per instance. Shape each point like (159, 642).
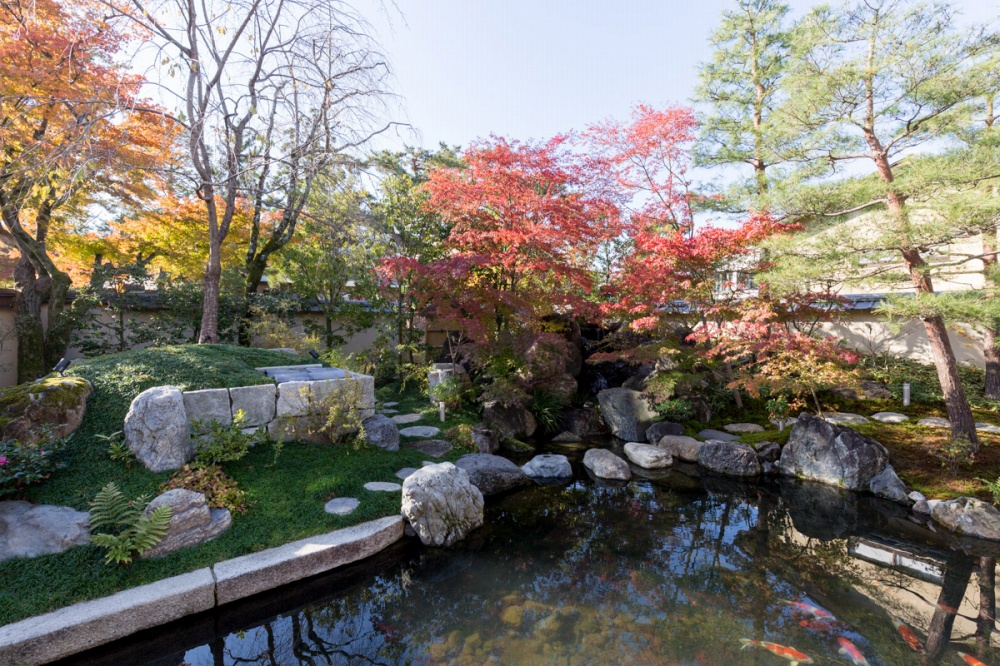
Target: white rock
(293, 399)
(156, 429)
(256, 402)
(648, 456)
(441, 504)
(606, 465)
(341, 506)
(681, 446)
(844, 418)
(383, 487)
(917, 496)
(890, 417)
(742, 428)
(420, 431)
(548, 466)
(934, 422)
(208, 405)
(403, 419)
(30, 530)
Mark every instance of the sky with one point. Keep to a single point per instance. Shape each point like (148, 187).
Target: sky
(529, 69)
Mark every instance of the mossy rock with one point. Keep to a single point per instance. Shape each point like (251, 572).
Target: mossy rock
(53, 403)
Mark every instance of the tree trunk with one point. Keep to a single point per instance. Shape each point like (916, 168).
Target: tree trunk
(991, 352)
(987, 603)
(210, 303)
(957, 573)
(963, 425)
(28, 323)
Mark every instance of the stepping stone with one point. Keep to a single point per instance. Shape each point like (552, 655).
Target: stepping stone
(390, 404)
(405, 472)
(890, 417)
(420, 431)
(648, 456)
(934, 422)
(387, 412)
(402, 419)
(844, 418)
(432, 447)
(718, 435)
(383, 487)
(988, 428)
(742, 428)
(341, 506)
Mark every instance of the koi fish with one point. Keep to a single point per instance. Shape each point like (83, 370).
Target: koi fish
(793, 656)
(810, 609)
(822, 626)
(850, 652)
(908, 635)
(948, 609)
(970, 660)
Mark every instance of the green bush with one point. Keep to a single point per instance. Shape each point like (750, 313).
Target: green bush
(22, 463)
(454, 391)
(131, 533)
(547, 408)
(224, 443)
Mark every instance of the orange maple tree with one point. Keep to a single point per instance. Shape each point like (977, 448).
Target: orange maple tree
(73, 129)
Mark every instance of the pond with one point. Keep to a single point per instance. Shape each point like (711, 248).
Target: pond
(668, 570)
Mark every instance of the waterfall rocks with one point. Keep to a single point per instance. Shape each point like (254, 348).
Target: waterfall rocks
(156, 429)
(441, 504)
(627, 413)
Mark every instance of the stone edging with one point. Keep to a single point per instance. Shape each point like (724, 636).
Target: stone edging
(73, 629)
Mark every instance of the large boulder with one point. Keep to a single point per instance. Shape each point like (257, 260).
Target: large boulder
(156, 429)
(381, 431)
(584, 422)
(888, 485)
(627, 413)
(729, 459)
(647, 456)
(491, 474)
(509, 421)
(681, 446)
(606, 465)
(658, 431)
(192, 522)
(548, 466)
(484, 440)
(832, 454)
(441, 504)
(968, 516)
(56, 404)
(30, 530)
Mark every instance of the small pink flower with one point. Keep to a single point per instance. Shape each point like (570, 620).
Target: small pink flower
(3, 460)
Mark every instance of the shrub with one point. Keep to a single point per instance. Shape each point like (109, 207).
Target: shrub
(117, 448)
(224, 443)
(23, 463)
(131, 533)
(547, 409)
(675, 409)
(220, 490)
(454, 391)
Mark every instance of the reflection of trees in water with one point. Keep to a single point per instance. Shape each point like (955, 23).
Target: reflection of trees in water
(636, 573)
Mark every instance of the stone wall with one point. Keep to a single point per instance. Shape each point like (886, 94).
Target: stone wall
(290, 410)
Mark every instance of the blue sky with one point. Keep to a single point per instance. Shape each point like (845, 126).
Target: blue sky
(533, 68)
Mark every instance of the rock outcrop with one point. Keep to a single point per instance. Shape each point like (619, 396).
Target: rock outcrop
(832, 454)
(56, 404)
(156, 429)
(381, 431)
(441, 504)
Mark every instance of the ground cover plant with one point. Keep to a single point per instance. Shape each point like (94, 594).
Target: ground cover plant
(273, 515)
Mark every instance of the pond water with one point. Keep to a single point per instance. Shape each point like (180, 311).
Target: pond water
(667, 570)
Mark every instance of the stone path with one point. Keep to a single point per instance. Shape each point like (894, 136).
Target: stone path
(432, 447)
(742, 428)
(405, 472)
(718, 435)
(934, 422)
(383, 487)
(390, 404)
(389, 412)
(403, 419)
(341, 506)
(890, 417)
(844, 418)
(420, 431)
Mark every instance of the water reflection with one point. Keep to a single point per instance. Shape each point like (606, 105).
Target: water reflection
(675, 570)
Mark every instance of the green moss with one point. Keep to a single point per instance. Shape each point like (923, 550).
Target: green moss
(286, 499)
(55, 391)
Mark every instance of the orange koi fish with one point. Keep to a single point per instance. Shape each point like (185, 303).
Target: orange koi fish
(822, 626)
(793, 656)
(848, 650)
(810, 609)
(908, 635)
(970, 660)
(948, 609)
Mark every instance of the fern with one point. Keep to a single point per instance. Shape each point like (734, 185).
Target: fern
(130, 533)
